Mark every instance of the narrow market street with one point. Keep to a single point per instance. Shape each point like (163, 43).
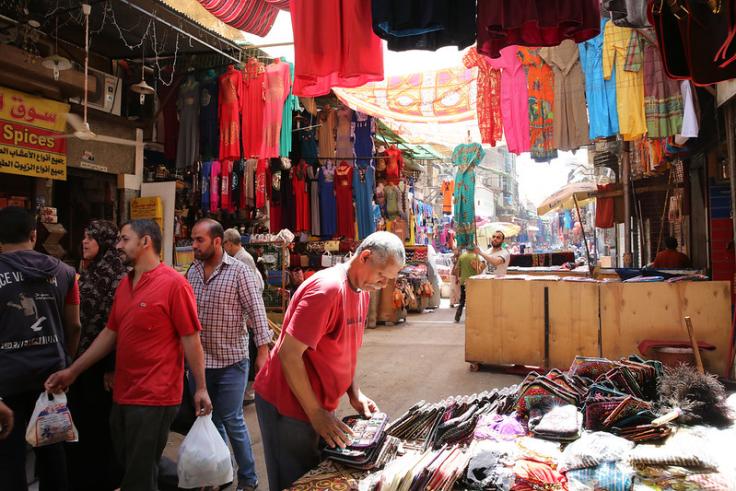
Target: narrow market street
(421, 359)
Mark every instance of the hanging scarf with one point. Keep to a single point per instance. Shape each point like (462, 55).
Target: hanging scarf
(98, 282)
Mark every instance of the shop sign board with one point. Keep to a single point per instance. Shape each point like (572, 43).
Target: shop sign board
(148, 208)
(30, 128)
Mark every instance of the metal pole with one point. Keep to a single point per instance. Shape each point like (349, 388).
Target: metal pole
(626, 181)
(585, 239)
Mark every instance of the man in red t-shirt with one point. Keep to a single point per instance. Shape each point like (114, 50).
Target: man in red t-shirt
(313, 363)
(671, 258)
(152, 325)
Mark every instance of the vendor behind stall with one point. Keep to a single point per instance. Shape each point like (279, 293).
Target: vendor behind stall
(497, 257)
(671, 258)
(314, 361)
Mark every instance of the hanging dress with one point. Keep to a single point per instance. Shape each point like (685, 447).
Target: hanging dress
(229, 100)
(327, 203)
(570, 118)
(536, 23)
(344, 199)
(187, 145)
(205, 174)
(364, 130)
(334, 45)
(489, 97)
(629, 84)
(307, 139)
(276, 90)
(466, 157)
(209, 136)
(300, 176)
(226, 175)
(424, 24)
(327, 121)
(215, 186)
(288, 199)
(313, 176)
(262, 183)
(253, 107)
(364, 182)
(600, 93)
(541, 89)
(291, 105)
(344, 144)
(394, 165)
(514, 100)
(273, 186)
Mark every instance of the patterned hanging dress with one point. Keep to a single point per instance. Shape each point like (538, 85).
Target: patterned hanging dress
(466, 157)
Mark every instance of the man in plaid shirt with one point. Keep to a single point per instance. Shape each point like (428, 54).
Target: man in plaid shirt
(227, 295)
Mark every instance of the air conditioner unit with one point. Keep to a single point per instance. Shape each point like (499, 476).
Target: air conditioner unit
(109, 94)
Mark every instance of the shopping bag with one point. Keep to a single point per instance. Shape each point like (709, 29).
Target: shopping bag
(51, 421)
(204, 459)
(327, 260)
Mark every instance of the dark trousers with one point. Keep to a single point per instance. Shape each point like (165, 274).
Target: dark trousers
(461, 305)
(291, 446)
(91, 461)
(139, 434)
(50, 459)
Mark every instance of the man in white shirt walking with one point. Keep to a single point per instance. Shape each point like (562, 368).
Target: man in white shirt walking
(234, 247)
(497, 257)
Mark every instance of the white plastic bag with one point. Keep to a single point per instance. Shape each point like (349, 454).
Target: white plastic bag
(204, 459)
(51, 421)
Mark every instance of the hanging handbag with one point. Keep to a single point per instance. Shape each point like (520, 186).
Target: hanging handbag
(332, 245)
(327, 260)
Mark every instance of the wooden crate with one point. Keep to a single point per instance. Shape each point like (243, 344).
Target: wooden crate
(633, 312)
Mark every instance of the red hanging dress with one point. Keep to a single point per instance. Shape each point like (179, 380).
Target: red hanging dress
(489, 97)
(252, 108)
(230, 92)
(299, 179)
(226, 177)
(261, 180)
(394, 166)
(344, 198)
(334, 45)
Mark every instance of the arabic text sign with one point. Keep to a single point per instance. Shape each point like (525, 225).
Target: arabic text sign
(30, 128)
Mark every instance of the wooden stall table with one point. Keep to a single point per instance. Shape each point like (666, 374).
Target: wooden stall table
(513, 322)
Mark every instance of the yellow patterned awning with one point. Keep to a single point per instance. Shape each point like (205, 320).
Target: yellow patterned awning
(442, 96)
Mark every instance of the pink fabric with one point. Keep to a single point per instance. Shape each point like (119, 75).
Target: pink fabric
(215, 188)
(276, 88)
(514, 100)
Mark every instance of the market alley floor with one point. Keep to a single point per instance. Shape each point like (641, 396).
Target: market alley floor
(421, 359)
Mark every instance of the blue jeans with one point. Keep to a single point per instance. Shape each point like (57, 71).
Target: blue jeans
(226, 387)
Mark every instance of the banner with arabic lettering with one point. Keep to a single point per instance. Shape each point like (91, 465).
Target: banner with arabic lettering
(30, 128)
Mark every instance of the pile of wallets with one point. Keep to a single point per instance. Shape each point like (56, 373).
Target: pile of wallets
(369, 448)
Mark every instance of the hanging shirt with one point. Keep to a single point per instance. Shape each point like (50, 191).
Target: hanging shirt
(690, 124)
(629, 84)
(394, 166)
(205, 186)
(215, 188)
(600, 93)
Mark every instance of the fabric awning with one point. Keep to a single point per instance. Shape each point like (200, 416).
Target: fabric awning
(253, 16)
(442, 96)
(564, 199)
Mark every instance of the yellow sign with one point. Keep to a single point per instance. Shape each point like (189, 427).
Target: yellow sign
(148, 208)
(30, 128)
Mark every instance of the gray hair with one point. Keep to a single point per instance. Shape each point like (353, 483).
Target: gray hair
(383, 246)
(232, 235)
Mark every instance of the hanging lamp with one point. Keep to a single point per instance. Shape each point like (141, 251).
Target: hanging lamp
(56, 62)
(142, 87)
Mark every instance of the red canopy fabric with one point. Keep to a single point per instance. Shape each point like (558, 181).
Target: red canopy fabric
(253, 16)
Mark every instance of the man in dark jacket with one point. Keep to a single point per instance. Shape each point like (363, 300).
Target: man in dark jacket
(39, 330)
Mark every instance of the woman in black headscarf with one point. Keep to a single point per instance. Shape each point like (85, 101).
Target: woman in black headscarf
(91, 461)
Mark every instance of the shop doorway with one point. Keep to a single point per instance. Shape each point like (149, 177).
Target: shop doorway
(83, 197)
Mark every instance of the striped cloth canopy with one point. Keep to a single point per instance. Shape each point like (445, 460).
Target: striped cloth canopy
(253, 16)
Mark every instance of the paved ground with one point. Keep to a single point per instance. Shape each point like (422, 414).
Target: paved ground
(400, 365)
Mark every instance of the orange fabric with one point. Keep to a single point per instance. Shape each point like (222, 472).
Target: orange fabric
(489, 97)
(448, 188)
(541, 87)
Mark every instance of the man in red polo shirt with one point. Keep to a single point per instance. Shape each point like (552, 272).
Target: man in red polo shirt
(313, 363)
(152, 325)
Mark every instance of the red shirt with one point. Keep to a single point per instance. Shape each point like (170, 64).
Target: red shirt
(149, 321)
(669, 259)
(328, 316)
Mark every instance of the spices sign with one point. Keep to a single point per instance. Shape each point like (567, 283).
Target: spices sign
(30, 128)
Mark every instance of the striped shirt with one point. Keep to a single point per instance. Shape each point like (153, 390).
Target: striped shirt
(229, 298)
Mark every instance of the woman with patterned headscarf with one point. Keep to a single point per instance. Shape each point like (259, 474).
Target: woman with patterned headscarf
(91, 461)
